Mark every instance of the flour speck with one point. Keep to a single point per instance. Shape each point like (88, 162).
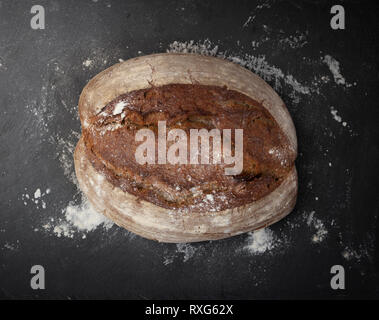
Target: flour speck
(37, 193)
(334, 67)
(260, 241)
(87, 63)
(317, 225)
(187, 249)
(79, 219)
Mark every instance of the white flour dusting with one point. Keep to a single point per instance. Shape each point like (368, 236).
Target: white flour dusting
(98, 58)
(85, 218)
(119, 107)
(37, 193)
(321, 232)
(249, 20)
(168, 260)
(78, 218)
(259, 7)
(336, 117)
(318, 226)
(187, 249)
(350, 254)
(258, 64)
(334, 67)
(206, 47)
(358, 254)
(87, 63)
(65, 152)
(39, 116)
(11, 246)
(260, 241)
(296, 41)
(37, 198)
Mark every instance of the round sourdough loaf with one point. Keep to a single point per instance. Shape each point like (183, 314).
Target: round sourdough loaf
(167, 224)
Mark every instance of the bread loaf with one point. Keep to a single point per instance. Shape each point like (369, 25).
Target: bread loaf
(187, 200)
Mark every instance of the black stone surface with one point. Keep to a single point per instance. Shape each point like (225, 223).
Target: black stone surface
(41, 76)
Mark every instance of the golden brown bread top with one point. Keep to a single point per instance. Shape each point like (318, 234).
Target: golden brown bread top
(110, 144)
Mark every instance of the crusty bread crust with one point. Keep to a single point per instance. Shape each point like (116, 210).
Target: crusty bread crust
(152, 221)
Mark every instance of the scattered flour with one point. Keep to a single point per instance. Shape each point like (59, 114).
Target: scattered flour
(336, 116)
(97, 59)
(187, 249)
(296, 41)
(39, 117)
(65, 152)
(85, 218)
(87, 63)
(168, 260)
(78, 218)
(259, 7)
(358, 254)
(258, 64)
(36, 199)
(11, 246)
(318, 226)
(249, 20)
(260, 241)
(350, 254)
(334, 67)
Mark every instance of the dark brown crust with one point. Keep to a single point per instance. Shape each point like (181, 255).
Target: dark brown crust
(110, 143)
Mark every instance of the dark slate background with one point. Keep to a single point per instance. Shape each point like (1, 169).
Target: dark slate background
(114, 264)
